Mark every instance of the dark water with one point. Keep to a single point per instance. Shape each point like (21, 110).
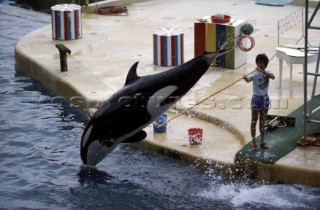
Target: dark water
(40, 167)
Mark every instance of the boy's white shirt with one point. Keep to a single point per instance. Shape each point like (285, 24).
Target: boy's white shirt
(260, 81)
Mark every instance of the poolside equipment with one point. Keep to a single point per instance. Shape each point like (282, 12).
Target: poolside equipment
(212, 33)
(112, 10)
(240, 41)
(246, 29)
(168, 47)
(66, 21)
(312, 139)
(195, 136)
(160, 120)
(219, 18)
(63, 50)
(278, 3)
(277, 121)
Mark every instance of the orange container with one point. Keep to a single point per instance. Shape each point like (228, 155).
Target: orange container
(195, 136)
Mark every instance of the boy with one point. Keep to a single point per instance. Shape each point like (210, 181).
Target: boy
(260, 100)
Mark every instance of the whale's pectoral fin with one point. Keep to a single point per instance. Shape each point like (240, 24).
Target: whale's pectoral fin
(136, 138)
(108, 140)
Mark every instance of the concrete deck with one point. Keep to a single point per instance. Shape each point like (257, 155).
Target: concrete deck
(100, 60)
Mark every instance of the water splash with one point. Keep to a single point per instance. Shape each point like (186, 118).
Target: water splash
(263, 196)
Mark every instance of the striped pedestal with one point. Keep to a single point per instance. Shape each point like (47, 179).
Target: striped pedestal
(168, 47)
(66, 21)
(210, 37)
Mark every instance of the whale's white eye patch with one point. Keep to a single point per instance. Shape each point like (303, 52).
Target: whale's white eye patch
(158, 97)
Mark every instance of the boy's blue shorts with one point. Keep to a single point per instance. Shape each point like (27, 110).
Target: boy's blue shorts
(260, 102)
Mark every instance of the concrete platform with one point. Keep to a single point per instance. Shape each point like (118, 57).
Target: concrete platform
(100, 60)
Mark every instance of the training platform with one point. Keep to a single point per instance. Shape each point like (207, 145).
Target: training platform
(109, 45)
(282, 141)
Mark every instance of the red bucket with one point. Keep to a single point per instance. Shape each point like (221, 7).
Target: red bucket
(195, 136)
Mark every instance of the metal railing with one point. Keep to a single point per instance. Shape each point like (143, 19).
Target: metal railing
(309, 107)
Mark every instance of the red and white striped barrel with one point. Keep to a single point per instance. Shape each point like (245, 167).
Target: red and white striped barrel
(168, 46)
(66, 21)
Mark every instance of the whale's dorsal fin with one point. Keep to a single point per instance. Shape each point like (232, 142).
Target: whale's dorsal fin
(132, 74)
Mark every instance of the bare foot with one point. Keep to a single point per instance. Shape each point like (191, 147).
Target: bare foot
(264, 145)
(254, 146)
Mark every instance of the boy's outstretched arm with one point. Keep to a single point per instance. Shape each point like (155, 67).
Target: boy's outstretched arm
(247, 78)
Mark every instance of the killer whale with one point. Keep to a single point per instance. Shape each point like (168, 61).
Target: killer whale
(127, 112)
